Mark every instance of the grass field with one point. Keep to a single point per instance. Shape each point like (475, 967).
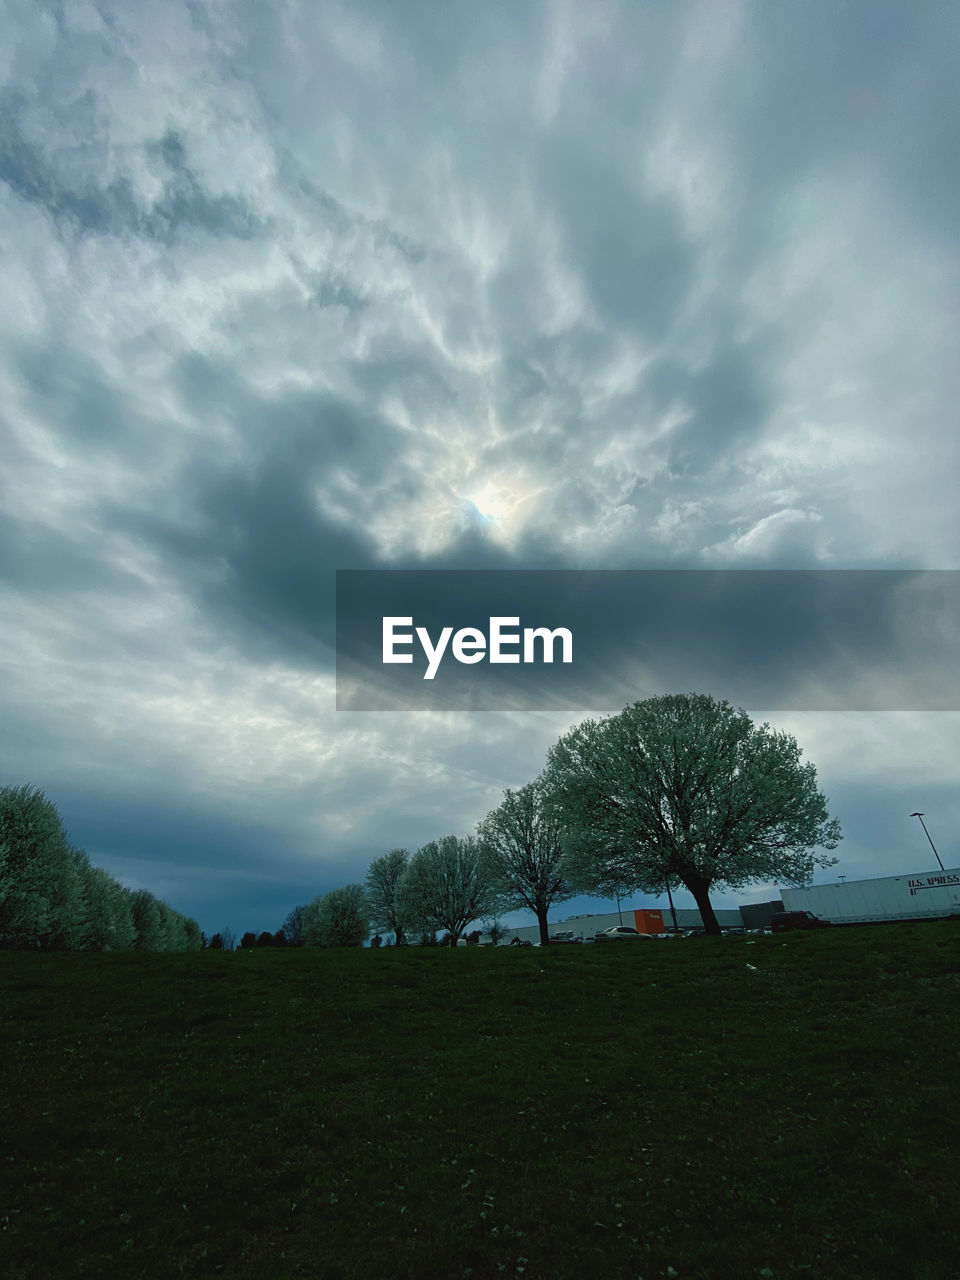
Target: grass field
(778, 1106)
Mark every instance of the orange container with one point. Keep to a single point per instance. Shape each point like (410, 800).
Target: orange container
(647, 921)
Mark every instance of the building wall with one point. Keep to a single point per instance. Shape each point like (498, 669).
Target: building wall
(921, 896)
(687, 918)
(924, 895)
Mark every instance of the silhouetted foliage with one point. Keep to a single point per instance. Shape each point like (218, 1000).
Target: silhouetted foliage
(337, 919)
(148, 922)
(444, 886)
(388, 908)
(496, 931)
(522, 855)
(293, 927)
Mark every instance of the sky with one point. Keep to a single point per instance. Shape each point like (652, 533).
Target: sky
(304, 287)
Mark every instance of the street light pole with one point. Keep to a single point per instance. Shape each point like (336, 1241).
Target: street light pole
(927, 834)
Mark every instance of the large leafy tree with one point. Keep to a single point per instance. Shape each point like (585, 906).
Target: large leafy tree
(522, 855)
(193, 935)
(686, 789)
(151, 934)
(111, 912)
(387, 908)
(38, 876)
(445, 886)
(340, 918)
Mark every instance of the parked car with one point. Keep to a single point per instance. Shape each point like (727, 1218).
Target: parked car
(520, 942)
(618, 933)
(564, 938)
(783, 920)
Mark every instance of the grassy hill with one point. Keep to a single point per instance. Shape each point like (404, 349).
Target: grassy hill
(700, 1108)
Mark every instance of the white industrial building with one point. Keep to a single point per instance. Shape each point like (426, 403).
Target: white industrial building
(925, 895)
(587, 926)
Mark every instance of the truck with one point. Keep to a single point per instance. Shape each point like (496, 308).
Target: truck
(924, 895)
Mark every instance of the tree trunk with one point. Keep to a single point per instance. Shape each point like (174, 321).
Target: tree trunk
(542, 922)
(701, 893)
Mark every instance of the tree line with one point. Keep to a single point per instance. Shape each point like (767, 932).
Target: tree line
(53, 899)
(677, 791)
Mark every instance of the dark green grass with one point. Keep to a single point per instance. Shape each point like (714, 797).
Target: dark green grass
(629, 1110)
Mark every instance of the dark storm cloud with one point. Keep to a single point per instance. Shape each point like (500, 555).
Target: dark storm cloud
(45, 562)
(70, 391)
(179, 851)
(635, 259)
(393, 366)
(259, 559)
(834, 80)
(244, 533)
(248, 542)
(344, 221)
(180, 834)
(728, 405)
(74, 197)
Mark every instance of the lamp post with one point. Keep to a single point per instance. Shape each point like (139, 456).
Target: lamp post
(927, 834)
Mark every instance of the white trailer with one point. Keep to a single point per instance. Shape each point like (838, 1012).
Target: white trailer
(925, 895)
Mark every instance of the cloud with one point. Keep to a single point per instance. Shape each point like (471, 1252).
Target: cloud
(535, 286)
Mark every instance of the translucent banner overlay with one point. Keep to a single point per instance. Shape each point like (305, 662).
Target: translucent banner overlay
(834, 639)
